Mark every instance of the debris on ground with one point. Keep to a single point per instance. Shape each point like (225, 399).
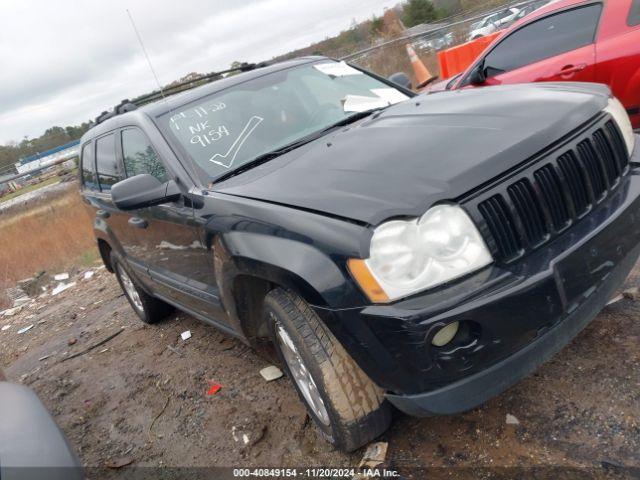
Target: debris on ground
(249, 431)
(631, 293)
(512, 420)
(61, 276)
(164, 245)
(72, 341)
(10, 312)
(41, 359)
(89, 274)
(5, 327)
(61, 287)
(271, 373)
(374, 455)
(101, 342)
(215, 388)
(18, 302)
(186, 335)
(175, 350)
(25, 329)
(33, 286)
(612, 466)
(155, 419)
(119, 462)
(239, 436)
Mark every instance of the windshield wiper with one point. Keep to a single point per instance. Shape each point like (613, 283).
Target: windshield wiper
(352, 118)
(265, 157)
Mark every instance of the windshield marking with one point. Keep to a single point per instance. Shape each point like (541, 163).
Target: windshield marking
(251, 125)
(206, 139)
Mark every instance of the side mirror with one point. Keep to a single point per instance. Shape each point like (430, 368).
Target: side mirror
(143, 191)
(401, 79)
(478, 76)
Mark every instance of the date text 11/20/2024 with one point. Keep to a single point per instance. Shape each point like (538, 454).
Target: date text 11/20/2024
(314, 473)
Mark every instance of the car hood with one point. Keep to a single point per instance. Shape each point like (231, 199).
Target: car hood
(429, 149)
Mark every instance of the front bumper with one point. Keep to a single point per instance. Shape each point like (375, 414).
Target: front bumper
(520, 314)
(474, 390)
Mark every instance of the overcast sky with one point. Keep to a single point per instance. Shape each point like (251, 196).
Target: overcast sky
(64, 61)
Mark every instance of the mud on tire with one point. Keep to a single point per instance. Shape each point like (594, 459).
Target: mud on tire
(356, 407)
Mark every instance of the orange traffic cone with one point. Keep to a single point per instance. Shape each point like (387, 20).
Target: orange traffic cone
(423, 75)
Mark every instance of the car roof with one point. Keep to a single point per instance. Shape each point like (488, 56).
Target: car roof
(176, 101)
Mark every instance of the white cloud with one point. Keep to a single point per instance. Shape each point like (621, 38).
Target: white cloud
(64, 62)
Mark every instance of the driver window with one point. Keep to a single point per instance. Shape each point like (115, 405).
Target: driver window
(544, 38)
(139, 157)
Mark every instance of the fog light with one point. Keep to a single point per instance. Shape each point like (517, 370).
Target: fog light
(445, 334)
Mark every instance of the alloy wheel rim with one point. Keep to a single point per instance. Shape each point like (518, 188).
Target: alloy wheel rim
(130, 289)
(302, 376)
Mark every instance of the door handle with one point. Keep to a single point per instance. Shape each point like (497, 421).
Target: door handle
(103, 214)
(138, 222)
(571, 69)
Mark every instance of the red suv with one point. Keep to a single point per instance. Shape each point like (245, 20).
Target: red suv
(567, 40)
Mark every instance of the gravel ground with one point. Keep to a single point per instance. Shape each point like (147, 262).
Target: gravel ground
(134, 400)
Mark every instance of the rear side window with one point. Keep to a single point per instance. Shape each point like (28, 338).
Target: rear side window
(106, 162)
(545, 38)
(140, 157)
(634, 14)
(89, 179)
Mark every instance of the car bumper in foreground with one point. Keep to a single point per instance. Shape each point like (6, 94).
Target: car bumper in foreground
(585, 276)
(472, 391)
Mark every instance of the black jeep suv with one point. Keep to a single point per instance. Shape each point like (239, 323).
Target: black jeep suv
(420, 251)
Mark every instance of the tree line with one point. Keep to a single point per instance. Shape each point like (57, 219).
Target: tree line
(53, 137)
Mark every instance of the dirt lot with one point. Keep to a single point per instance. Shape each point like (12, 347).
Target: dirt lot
(134, 399)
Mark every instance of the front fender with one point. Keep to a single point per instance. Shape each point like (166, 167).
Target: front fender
(301, 267)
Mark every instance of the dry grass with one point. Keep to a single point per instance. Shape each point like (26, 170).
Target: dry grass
(50, 234)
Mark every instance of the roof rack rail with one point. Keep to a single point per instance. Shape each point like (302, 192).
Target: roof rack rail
(127, 105)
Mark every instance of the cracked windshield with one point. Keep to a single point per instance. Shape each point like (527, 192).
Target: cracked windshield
(223, 131)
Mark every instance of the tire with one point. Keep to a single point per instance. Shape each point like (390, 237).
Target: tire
(148, 308)
(355, 411)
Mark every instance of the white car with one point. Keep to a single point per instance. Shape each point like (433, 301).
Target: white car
(492, 23)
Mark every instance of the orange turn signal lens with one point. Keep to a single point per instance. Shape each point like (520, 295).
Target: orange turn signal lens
(366, 280)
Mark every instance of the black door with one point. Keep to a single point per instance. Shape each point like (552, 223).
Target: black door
(167, 241)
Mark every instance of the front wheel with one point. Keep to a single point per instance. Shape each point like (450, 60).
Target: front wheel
(346, 406)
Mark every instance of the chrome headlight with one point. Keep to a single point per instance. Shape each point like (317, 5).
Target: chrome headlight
(410, 256)
(619, 114)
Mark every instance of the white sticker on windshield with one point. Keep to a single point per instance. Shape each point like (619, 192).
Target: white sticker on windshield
(228, 158)
(337, 69)
(390, 95)
(359, 103)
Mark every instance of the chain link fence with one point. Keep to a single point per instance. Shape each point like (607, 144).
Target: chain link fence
(390, 56)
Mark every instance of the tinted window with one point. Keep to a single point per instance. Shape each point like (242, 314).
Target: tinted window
(634, 14)
(106, 162)
(139, 157)
(545, 38)
(89, 179)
